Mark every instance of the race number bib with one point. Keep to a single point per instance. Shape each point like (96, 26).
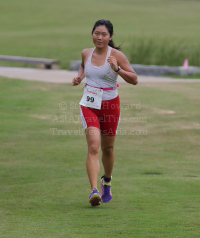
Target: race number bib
(92, 97)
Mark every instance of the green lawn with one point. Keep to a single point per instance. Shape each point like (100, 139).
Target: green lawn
(43, 181)
(151, 31)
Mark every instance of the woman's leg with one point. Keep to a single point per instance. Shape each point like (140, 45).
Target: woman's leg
(92, 162)
(107, 146)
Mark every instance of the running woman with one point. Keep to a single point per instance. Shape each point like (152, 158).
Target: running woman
(100, 104)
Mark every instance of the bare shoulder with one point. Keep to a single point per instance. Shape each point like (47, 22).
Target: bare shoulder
(117, 54)
(120, 57)
(122, 60)
(86, 52)
(85, 55)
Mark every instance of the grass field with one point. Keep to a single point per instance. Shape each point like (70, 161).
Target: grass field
(43, 180)
(151, 31)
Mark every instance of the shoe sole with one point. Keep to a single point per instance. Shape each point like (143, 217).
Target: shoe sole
(95, 200)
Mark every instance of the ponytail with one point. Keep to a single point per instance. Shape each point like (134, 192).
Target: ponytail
(111, 44)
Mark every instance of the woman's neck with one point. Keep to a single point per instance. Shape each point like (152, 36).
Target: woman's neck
(101, 51)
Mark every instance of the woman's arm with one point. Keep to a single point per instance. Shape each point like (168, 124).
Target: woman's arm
(81, 75)
(81, 69)
(126, 71)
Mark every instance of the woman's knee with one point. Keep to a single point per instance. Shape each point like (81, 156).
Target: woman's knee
(93, 149)
(108, 150)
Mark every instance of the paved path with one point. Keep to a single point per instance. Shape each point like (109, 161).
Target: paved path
(64, 76)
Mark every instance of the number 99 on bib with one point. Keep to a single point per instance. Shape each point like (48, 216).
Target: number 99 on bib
(92, 97)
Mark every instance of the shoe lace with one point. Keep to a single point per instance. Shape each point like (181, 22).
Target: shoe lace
(95, 191)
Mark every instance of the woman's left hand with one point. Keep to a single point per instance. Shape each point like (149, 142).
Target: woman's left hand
(113, 63)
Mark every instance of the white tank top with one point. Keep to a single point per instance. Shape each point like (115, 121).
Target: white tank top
(102, 76)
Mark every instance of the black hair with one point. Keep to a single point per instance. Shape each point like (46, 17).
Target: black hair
(109, 27)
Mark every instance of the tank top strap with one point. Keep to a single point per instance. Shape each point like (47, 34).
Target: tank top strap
(109, 52)
(90, 56)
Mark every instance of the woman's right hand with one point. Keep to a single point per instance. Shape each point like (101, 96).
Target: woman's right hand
(76, 81)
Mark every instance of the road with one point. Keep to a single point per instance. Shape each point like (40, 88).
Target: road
(65, 76)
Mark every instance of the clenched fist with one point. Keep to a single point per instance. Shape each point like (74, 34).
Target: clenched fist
(113, 63)
(76, 81)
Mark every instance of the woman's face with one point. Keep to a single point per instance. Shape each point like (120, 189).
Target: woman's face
(101, 36)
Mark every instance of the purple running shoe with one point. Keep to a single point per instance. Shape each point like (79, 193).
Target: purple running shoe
(95, 197)
(106, 190)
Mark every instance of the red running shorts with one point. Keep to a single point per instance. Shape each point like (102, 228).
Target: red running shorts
(107, 119)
